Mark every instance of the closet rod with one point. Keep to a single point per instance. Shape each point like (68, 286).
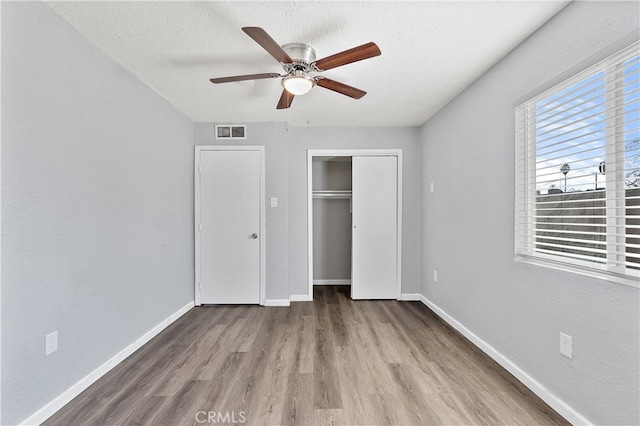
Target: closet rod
(346, 194)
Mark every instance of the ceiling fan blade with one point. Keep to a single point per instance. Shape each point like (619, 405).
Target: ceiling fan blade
(366, 51)
(341, 88)
(285, 100)
(261, 37)
(244, 77)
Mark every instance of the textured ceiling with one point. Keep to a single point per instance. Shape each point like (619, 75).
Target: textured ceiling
(430, 52)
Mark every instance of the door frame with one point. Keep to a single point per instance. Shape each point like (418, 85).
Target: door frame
(351, 153)
(197, 186)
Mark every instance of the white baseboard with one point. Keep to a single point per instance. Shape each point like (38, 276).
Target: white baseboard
(65, 397)
(300, 298)
(410, 297)
(276, 302)
(564, 409)
(332, 282)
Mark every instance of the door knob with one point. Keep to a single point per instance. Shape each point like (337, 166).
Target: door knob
(254, 235)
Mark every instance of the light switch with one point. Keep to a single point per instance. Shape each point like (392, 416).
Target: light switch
(433, 187)
(274, 202)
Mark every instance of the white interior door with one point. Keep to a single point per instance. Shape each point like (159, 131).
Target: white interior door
(229, 213)
(375, 227)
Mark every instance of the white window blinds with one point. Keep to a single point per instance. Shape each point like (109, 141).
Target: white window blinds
(578, 172)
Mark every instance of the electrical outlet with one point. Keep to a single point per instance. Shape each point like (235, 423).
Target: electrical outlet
(435, 276)
(566, 345)
(51, 343)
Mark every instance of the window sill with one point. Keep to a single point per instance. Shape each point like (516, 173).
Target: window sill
(626, 280)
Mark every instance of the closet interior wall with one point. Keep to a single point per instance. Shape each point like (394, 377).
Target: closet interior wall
(331, 220)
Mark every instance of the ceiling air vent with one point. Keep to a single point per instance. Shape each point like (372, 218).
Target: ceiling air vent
(231, 132)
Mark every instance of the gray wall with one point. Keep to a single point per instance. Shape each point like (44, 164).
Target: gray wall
(97, 187)
(519, 309)
(331, 239)
(332, 173)
(286, 178)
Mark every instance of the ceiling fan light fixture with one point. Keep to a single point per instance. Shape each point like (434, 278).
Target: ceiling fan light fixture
(298, 83)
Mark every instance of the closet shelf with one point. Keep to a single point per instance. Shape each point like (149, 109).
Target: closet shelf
(339, 194)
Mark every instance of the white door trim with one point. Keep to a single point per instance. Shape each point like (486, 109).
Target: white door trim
(261, 232)
(350, 153)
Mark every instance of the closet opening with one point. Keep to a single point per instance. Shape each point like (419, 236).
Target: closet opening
(332, 209)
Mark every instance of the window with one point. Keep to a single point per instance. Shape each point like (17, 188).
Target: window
(578, 172)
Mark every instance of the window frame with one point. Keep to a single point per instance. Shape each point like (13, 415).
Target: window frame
(525, 179)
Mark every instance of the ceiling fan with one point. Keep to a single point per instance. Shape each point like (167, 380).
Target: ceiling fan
(299, 62)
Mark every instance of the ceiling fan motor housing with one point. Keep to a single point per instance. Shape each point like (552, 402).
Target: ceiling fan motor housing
(302, 54)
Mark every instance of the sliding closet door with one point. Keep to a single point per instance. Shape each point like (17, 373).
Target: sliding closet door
(375, 227)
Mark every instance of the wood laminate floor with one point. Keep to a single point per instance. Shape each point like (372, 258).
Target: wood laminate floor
(330, 361)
